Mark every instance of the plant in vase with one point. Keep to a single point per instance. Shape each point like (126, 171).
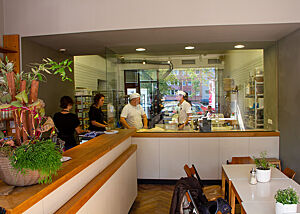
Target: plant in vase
(28, 158)
(286, 201)
(263, 168)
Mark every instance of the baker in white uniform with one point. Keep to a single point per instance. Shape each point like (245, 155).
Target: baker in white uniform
(133, 115)
(184, 110)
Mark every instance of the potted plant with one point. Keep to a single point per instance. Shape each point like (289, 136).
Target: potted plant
(28, 158)
(286, 201)
(263, 168)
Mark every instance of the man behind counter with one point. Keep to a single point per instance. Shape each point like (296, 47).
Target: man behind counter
(133, 114)
(184, 110)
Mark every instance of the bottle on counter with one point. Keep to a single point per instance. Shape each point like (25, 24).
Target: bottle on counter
(253, 179)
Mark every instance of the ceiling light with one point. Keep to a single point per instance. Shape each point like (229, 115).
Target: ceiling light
(62, 50)
(169, 61)
(140, 49)
(144, 63)
(189, 47)
(239, 46)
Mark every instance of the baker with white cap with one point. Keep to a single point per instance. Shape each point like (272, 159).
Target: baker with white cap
(133, 115)
(184, 110)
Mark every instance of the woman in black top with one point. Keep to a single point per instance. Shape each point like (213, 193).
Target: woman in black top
(96, 115)
(67, 123)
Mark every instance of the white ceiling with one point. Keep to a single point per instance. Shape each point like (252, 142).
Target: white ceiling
(163, 41)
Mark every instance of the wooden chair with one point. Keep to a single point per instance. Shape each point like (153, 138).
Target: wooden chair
(241, 160)
(289, 172)
(274, 161)
(211, 192)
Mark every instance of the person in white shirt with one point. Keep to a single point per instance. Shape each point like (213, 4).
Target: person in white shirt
(184, 110)
(133, 114)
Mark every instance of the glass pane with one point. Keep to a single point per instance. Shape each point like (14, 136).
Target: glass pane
(131, 76)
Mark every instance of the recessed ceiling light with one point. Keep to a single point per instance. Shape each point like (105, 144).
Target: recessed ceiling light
(189, 47)
(62, 50)
(239, 46)
(140, 49)
(144, 63)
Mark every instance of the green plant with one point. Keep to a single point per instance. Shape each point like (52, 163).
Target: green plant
(43, 156)
(50, 67)
(261, 162)
(5, 67)
(287, 196)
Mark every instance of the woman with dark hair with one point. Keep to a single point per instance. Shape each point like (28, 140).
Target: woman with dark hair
(96, 115)
(67, 123)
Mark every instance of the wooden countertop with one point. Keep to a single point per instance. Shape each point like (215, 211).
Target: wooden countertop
(82, 156)
(207, 134)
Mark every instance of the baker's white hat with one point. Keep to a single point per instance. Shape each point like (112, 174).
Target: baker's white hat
(134, 95)
(181, 93)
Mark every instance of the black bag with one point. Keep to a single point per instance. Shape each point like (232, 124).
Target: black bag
(181, 187)
(213, 207)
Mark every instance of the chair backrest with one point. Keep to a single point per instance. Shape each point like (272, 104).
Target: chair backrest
(192, 172)
(241, 160)
(289, 172)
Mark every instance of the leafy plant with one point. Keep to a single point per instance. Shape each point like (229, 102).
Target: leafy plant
(50, 67)
(287, 196)
(261, 162)
(30, 152)
(5, 67)
(43, 156)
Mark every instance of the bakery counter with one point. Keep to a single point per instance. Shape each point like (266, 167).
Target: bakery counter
(162, 155)
(107, 160)
(188, 133)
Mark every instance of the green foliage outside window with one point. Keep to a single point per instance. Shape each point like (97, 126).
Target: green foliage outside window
(197, 79)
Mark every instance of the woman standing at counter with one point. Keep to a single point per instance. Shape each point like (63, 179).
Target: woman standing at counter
(67, 123)
(184, 110)
(96, 115)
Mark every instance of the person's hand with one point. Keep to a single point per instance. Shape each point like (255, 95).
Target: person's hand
(181, 126)
(145, 127)
(87, 131)
(132, 127)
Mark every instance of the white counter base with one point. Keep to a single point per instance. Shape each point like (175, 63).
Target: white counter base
(164, 158)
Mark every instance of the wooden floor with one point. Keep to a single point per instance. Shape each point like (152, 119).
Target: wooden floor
(156, 199)
(152, 198)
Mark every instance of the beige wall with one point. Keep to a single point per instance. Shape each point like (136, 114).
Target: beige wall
(88, 69)
(289, 101)
(54, 88)
(1, 23)
(1, 19)
(36, 17)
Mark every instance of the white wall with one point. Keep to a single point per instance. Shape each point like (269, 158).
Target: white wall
(36, 17)
(88, 69)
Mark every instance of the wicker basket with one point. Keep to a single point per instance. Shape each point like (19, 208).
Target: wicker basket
(11, 177)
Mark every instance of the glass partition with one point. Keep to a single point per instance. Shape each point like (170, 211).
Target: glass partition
(226, 91)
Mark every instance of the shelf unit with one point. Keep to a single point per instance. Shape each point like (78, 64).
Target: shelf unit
(82, 107)
(11, 50)
(254, 115)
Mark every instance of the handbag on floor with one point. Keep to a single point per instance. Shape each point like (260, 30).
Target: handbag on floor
(219, 206)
